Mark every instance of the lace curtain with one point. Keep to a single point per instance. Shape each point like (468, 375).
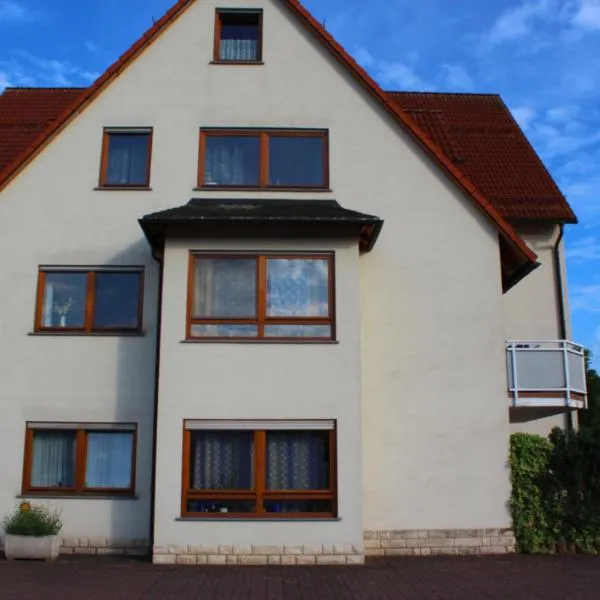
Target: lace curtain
(53, 459)
(297, 460)
(237, 49)
(222, 460)
(297, 288)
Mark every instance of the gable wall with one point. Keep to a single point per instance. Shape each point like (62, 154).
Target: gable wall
(433, 388)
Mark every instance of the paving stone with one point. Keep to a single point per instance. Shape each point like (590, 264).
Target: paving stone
(410, 578)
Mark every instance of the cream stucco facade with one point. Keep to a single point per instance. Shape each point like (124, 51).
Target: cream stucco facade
(416, 382)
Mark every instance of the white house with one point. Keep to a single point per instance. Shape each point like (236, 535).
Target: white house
(255, 309)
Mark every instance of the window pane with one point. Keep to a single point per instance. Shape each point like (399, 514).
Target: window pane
(53, 462)
(299, 506)
(127, 159)
(64, 300)
(225, 288)
(117, 300)
(296, 161)
(299, 331)
(231, 331)
(239, 37)
(221, 506)
(297, 287)
(109, 457)
(232, 160)
(297, 460)
(222, 460)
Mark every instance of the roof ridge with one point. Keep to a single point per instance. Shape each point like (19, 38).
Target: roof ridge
(423, 93)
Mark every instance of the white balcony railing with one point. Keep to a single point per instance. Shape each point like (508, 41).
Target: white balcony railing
(546, 374)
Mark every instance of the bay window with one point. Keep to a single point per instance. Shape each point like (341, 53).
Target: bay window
(265, 296)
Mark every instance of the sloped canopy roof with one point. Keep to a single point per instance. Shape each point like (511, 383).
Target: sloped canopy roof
(262, 218)
(522, 256)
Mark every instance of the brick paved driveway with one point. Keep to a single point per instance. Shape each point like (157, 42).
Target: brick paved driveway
(444, 578)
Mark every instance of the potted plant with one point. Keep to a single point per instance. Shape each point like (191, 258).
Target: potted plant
(32, 532)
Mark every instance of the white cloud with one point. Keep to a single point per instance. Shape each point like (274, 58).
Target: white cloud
(524, 116)
(584, 249)
(27, 69)
(390, 74)
(4, 81)
(397, 74)
(587, 15)
(585, 298)
(12, 11)
(517, 22)
(363, 57)
(563, 113)
(92, 47)
(456, 78)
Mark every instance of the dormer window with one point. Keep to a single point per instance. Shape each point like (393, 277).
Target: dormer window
(238, 36)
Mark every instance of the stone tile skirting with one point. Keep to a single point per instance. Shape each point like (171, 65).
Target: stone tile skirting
(258, 555)
(427, 542)
(104, 546)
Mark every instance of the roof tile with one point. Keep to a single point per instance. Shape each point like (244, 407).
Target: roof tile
(479, 135)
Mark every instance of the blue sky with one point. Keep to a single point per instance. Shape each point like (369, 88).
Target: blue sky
(542, 56)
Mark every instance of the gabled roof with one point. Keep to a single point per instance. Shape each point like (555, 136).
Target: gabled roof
(263, 218)
(522, 256)
(480, 136)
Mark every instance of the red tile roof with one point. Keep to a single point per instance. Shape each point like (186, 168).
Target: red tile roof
(479, 135)
(521, 256)
(27, 112)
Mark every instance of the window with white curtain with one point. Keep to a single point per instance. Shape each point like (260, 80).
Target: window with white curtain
(267, 296)
(238, 36)
(78, 458)
(265, 469)
(126, 157)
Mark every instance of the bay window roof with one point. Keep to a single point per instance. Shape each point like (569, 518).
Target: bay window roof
(262, 218)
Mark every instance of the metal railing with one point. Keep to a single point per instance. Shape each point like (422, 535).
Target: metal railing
(546, 373)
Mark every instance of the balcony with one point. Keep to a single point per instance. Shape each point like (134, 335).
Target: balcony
(546, 374)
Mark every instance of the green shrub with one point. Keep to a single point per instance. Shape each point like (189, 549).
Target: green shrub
(529, 460)
(34, 521)
(556, 490)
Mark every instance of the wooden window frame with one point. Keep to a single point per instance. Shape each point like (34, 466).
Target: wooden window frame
(106, 135)
(259, 493)
(264, 135)
(90, 299)
(261, 319)
(81, 434)
(219, 13)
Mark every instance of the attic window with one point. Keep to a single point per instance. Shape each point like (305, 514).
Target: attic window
(238, 36)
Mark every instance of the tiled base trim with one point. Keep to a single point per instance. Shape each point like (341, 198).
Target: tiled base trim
(258, 555)
(105, 546)
(438, 542)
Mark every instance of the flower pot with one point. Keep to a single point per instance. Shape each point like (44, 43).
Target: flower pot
(31, 547)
